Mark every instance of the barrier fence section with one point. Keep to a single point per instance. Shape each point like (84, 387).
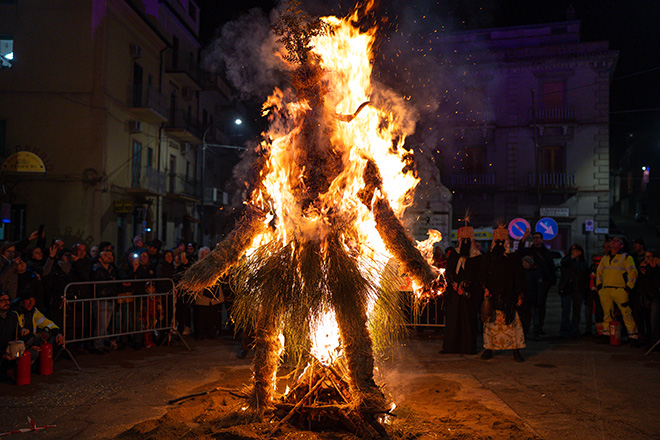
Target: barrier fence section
(100, 310)
(430, 314)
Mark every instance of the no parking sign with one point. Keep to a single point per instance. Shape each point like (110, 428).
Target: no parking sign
(588, 225)
(517, 228)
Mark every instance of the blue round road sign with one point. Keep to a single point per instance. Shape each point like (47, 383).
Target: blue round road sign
(517, 228)
(548, 227)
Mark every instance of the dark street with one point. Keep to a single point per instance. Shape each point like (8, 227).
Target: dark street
(573, 389)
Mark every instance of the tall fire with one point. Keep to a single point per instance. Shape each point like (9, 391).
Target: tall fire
(321, 224)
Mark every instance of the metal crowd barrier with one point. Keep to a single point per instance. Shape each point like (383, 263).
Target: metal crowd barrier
(429, 315)
(90, 317)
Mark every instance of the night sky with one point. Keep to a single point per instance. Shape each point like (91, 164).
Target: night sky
(630, 26)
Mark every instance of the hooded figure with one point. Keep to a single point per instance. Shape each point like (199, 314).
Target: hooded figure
(503, 281)
(462, 297)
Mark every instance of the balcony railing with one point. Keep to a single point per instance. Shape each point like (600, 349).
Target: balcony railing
(213, 81)
(553, 181)
(156, 180)
(471, 180)
(183, 69)
(184, 126)
(148, 181)
(560, 114)
(182, 185)
(191, 187)
(146, 103)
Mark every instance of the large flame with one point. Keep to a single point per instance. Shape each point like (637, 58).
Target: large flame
(345, 55)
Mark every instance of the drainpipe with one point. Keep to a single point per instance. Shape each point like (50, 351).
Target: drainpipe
(159, 139)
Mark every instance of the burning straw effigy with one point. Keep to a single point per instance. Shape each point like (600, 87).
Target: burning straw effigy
(321, 224)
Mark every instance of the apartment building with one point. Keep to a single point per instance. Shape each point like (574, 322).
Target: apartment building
(109, 96)
(525, 128)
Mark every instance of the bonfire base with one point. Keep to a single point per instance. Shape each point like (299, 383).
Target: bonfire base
(322, 399)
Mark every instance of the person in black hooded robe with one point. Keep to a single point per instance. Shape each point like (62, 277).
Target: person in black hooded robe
(462, 297)
(503, 281)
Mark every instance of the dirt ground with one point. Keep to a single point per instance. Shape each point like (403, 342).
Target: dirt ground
(428, 406)
(565, 390)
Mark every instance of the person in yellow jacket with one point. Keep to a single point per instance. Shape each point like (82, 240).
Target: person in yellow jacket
(35, 327)
(615, 278)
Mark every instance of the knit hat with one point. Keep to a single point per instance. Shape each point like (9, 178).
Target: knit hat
(26, 294)
(528, 259)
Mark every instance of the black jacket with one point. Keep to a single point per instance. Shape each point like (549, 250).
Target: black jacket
(574, 276)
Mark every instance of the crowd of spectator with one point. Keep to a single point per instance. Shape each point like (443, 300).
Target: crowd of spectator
(620, 284)
(616, 299)
(33, 278)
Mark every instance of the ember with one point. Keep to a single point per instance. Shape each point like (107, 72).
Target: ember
(321, 224)
(322, 399)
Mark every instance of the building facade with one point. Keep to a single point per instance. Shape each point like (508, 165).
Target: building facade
(525, 128)
(108, 94)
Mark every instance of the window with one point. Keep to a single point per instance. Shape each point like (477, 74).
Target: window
(175, 52)
(137, 164)
(475, 160)
(137, 85)
(172, 186)
(192, 11)
(6, 52)
(553, 94)
(150, 157)
(552, 160)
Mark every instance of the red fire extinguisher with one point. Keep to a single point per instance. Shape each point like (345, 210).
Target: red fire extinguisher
(23, 368)
(615, 332)
(46, 359)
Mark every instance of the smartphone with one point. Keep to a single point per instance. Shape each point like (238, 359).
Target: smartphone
(41, 231)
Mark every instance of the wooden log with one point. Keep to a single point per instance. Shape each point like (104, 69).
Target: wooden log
(347, 422)
(202, 393)
(295, 408)
(375, 425)
(313, 408)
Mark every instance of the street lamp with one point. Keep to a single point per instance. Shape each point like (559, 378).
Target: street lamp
(205, 145)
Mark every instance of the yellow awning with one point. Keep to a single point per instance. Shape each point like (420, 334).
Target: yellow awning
(23, 162)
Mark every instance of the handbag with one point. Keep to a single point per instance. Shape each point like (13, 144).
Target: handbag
(487, 311)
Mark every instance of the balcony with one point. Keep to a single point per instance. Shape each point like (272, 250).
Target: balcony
(481, 181)
(184, 127)
(146, 103)
(183, 71)
(555, 115)
(211, 81)
(553, 181)
(182, 187)
(149, 182)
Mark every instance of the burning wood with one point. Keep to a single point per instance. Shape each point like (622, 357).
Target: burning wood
(321, 225)
(322, 399)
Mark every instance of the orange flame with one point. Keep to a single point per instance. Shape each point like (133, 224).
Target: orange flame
(376, 134)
